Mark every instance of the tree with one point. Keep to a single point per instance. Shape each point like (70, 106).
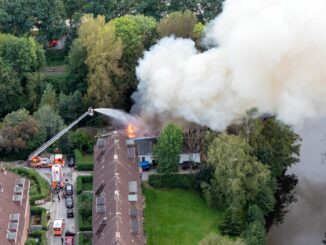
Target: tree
(231, 224)
(255, 234)
(49, 120)
(82, 141)
(49, 97)
(238, 176)
(23, 54)
(34, 88)
(136, 32)
(20, 16)
(71, 106)
(50, 16)
(168, 148)
(76, 69)
(19, 131)
(180, 24)
(10, 89)
(194, 140)
(274, 143)
(254, 213)
(215, 239)
(104, 51)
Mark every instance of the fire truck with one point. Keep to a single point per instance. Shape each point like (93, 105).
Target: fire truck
(57, 176)
(57, 159)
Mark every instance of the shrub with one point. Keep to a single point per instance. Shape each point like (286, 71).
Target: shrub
(215, 239)
(42, 212)
(41, 235)
(31, 242)
(82, 141)
(254, 234)
(231, 224)
(42, 185)
(254, 213)
(172, 181)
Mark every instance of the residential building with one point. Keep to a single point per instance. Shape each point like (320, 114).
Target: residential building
(14, 208)
(145, 147)
(117, 201)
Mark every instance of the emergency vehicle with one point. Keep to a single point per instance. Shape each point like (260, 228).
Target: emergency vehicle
(57, 176)
(58, 227)
(57, 159)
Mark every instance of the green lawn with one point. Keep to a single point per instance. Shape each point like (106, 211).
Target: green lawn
(88, 157)
(87, 186)
(176, 216)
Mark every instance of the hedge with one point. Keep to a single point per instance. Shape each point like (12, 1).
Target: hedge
(82, 164)
(84, 240)
(43, 185)
(41, 235)
(81, 180)
(187, 181)
(83, 226)
(42, 212)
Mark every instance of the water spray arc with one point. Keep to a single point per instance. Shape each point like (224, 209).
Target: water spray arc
(120, 116)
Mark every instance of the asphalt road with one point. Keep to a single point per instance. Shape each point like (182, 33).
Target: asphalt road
(57, 207)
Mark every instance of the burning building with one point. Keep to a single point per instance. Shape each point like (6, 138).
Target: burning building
(117, 202)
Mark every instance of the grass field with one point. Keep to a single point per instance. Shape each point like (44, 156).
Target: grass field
(175, 216)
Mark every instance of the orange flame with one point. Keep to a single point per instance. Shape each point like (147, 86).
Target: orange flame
(131, 131)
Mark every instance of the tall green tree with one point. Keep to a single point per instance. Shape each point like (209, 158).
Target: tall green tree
(71, 106)
(76, 69)
(180, 24)
(20, 16)
(238, 176)
(104, 51)
(10, 89)
(49, 97)
(136, 32)
(49, 120)
(274, 143)
(168, 148)
(23, 54)
(231, 223)
(19, 132)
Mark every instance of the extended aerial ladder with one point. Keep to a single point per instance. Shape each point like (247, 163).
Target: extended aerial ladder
(58, 135)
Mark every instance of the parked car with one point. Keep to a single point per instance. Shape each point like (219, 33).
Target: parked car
(187, 164)
(70, 213)
(69, 238)
(145, 165)
(71, 160)
(69, 189)
(69, 202)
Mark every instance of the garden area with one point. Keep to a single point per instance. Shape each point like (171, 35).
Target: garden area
(177, 216)
(84, 206)
(84, 162)
(40, 188)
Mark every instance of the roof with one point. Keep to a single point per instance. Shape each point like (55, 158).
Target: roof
(14, 208)
(117, 218)
(57, 223)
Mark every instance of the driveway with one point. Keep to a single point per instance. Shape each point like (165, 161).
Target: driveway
(57, 207)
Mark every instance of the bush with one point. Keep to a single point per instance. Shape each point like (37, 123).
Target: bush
(231, 224)
(42, 212)
(172, 181)
(42, 185)
(41, 235)
(255, 234)
(82, 163)
(31, 242)
(254, 213)
(84, 240)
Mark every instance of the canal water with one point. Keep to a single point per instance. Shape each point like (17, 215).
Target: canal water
(305, 221)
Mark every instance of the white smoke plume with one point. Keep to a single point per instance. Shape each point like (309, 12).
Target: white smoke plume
(265, 54)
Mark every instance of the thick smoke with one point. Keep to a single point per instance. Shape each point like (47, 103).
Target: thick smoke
(265, 54)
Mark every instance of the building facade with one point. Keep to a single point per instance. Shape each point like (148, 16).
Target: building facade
(14, 208)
